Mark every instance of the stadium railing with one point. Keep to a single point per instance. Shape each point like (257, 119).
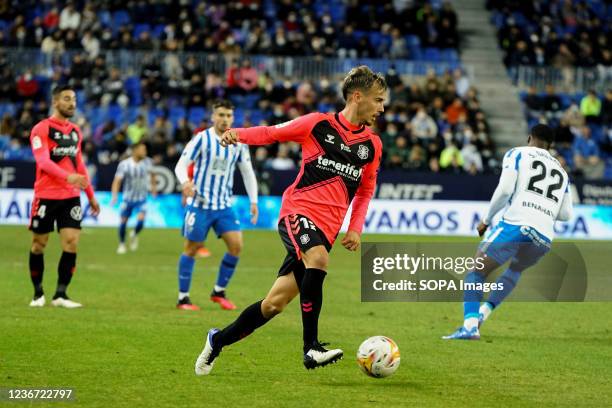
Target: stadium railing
(571, 79)
(308, 67)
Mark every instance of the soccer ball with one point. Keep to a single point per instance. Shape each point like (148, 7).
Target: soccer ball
(378, 356)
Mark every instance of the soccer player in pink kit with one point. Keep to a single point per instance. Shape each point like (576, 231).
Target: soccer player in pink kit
(340, 160)
(60, 177)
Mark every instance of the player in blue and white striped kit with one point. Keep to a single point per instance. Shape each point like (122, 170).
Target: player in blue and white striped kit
(135, 174)
(533, 192)
(209, 203)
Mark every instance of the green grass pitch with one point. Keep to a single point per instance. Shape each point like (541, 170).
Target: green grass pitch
(129, 346)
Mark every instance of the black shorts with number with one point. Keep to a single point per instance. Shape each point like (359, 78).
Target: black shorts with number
(46, 213)
(298, 233)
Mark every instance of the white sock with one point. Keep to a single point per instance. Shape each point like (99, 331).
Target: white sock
(219, 288)
(485, 310)
(470, 323)
(183, 295)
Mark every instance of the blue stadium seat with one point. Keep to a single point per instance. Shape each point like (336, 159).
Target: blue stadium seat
(431, 54)
(238, 116)
(133, 90)
(141, 28)
(256, 116)
(131, 114)
(158, 30)
(196, 114)
(176, 113)
(250, 101)
(105, 18)
(120, 18)
(7, 108)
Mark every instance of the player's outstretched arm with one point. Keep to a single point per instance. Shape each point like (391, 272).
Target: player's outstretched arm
(295, 130)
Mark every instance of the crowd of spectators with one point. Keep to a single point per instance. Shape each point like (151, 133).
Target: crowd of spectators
(583, 128)
(433, 123)
(558, 33)
(376, 29)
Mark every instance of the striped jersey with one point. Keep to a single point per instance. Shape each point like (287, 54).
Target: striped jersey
(136, 178)
(214, 166)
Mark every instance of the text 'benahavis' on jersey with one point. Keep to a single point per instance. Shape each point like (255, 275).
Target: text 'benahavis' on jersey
(135, 176)
(541, 189)
(339, 165)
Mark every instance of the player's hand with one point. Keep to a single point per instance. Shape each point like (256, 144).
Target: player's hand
(254, 213)
(113, 200)
(229, 137)
(188, 189)
(351, 241)
(77, 180)
(482, 228)
(94, 207)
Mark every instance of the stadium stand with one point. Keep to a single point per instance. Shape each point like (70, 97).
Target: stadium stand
(163, 92)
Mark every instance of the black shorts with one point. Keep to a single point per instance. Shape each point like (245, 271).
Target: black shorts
(298, 233)
(46, 213)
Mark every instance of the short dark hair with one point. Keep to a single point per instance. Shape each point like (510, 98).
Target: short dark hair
(362, 78)
(61, 88)
(543, 133)
(222, 103)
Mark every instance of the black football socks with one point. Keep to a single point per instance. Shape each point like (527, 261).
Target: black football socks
(250, 319)
(311, 300)
(65, 270)
(37, 267)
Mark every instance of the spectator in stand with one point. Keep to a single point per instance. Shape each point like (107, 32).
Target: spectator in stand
(70, 18)
(162, 127)
(282, 160)
(138, 130)
(455, 111)
(182, 133)
(398, 156)
(53, 44)
(91, 45)
(533, 103)
(27, 86)
(51, 19)
(552, 103)
(472, 160)
(114, 90)
(247, 77)
(606, 109)
(590, 107)
(451, 158)
(587, 155)
(462, 83)
(573, 116)
(423, 126)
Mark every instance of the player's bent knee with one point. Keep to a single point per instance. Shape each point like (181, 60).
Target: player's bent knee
(191, 248)
(235, 249)
(318, 260)
(38, 246)
(272, 307)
